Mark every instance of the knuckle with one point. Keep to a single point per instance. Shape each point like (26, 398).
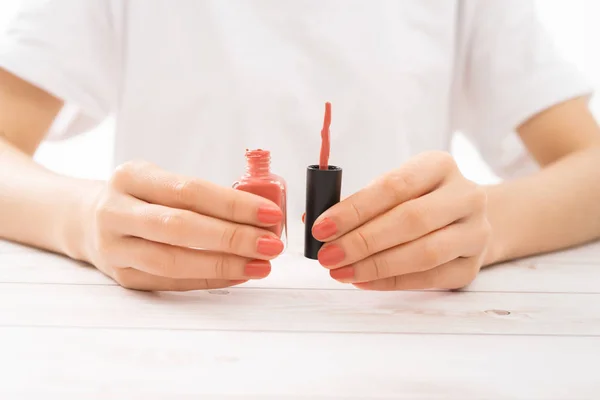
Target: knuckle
(380, 267)
(394, 283)
(124, 173)
(184, 190)
(364, 242)
(431, 253)
(171, 220)
(356, 210)
(232, 207)
(397, 183)
(413, 217)
(232, 237)
(433, 278)
(164, 264)
(222, 266)
(444, 160)
(169, 224)
(105, 213)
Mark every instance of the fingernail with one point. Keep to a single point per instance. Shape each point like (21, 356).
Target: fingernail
(303, 217)
(324, 229)
(268, 214)
(257, 269)
(331, 255)
(269, 246)
(342, 274)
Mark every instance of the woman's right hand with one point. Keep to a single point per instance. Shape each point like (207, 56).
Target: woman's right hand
(152, 230)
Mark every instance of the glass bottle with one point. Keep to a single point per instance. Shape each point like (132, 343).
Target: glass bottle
(260, 181)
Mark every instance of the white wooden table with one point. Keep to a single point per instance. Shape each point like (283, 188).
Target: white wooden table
(526, 330)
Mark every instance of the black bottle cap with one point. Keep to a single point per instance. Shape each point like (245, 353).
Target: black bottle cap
(323, 190)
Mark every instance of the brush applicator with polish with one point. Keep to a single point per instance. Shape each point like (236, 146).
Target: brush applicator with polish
(323, 189)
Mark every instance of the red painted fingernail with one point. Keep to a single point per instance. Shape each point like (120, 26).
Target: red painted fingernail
(303, 217)
(324, 229)
(268, 214)
(331, 255)
(257, 269)
(269, 246)
(342, 274)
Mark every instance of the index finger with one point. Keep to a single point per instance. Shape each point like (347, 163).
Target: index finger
(419, 176)
(151, 184)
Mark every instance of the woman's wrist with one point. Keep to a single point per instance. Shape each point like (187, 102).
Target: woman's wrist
(74, 232)
(499, 248)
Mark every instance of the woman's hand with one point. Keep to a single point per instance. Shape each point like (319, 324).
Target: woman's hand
(421, 226)
(147, 227)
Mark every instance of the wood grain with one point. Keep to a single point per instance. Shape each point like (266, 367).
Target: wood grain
(146, 364)
(301, 310)
(529, 329)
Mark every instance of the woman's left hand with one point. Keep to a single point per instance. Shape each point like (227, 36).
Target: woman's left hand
(421, 226)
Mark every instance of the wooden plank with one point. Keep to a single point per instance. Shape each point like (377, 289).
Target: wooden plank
(301, 310)
(136, 364)
(295, 272)
(539, 276)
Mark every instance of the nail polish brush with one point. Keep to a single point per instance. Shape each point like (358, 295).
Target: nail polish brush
(323, 188)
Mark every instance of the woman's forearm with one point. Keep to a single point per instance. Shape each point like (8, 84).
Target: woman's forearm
(557, 207)
(40, 208)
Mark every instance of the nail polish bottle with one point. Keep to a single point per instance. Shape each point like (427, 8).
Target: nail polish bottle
(323, 190)
(260, 181)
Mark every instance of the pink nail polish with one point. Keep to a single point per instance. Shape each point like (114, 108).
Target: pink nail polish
(342, 274)
(269, 246)
(324, 229)
(259, 180)
(257, 269)
(269, 214)
(331, 255)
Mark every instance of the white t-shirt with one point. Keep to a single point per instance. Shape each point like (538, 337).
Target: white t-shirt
(193, 83)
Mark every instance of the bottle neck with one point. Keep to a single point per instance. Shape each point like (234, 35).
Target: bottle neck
(258, 163)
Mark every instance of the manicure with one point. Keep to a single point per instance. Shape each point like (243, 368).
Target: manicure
(268, 214)
(269, 246)
(342, 274)
(331, 255)
(257, 269)
(324, 229)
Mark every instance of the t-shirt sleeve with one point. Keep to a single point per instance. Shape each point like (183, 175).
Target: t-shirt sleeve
(510, 70)
(69, 49)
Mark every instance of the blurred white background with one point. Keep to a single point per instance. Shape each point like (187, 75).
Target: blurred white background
(574, 23)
